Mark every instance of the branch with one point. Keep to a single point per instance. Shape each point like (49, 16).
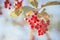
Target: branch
(51, 3)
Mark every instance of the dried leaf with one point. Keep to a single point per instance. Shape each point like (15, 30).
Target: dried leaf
(19, 11)
(16, 12)
(34, 3)
(39, 15)
(13, 14)
(45, 15)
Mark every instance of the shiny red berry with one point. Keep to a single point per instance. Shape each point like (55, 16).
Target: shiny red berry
(32, 26)
(42, 21)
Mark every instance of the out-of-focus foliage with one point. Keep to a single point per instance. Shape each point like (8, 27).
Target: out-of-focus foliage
(34, 3)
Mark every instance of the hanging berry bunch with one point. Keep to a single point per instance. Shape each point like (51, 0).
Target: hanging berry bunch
(7, 4)
(40, 24)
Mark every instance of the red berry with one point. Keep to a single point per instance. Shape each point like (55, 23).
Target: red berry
(34, 21)
(35, 14)
(39, 32)
(36, 27)
(5, 4)
(10, 4)
(32, 26)
(38, 20)
(29, 21)
(26, 18)
(48, 22)
(0, 13)
(31, 18)
(42, 21)
(9, 8)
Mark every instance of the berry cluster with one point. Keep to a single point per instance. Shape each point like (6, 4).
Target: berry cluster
(40, 25)
(7, 4)
(18, 4)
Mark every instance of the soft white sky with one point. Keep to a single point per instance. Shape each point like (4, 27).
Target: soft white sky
(12, 32)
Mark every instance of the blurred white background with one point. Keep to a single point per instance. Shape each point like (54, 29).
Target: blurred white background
(10, 32)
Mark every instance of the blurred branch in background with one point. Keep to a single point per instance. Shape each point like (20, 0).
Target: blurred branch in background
(58, 26)
(31, 35)
(51, 3)
(48, 36)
